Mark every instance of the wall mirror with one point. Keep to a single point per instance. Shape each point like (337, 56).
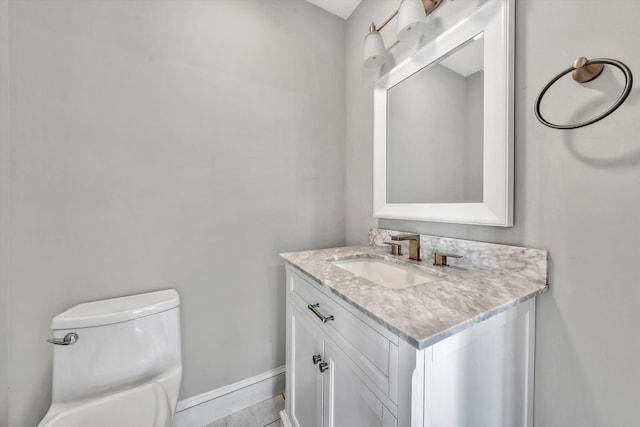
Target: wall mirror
(443, 126)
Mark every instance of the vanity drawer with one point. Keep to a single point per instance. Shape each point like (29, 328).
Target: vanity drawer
(372, 352)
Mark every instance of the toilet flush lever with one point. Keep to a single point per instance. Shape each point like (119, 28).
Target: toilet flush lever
(70, 338)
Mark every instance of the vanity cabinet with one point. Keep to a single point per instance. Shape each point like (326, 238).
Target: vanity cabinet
(364, 375)
(325, 386)
(327, 391)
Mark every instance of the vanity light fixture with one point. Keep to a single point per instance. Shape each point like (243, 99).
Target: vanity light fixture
(412, 22)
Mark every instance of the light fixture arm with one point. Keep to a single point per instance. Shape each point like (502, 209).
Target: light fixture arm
(429, 6)
(384, 24)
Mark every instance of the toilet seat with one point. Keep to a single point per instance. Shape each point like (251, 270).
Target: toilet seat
(142, 406)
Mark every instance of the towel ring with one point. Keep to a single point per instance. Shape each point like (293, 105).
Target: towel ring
(585, 70)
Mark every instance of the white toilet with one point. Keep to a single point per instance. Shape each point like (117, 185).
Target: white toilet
(117, 363)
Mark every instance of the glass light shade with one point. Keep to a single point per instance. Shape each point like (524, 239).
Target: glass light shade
(374, 52)
(412, 20)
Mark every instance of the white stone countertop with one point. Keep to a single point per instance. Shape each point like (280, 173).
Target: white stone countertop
(424, 314)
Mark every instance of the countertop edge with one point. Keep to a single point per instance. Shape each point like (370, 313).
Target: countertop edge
(477, 319)
(424, 343)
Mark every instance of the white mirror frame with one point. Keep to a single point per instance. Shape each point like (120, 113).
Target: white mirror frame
(495, 18)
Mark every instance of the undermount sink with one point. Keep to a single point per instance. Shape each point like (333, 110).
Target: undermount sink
(385, 273)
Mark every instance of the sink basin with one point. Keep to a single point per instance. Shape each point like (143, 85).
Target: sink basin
(385, 273)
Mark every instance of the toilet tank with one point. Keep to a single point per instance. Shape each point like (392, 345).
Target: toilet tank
(121, 342)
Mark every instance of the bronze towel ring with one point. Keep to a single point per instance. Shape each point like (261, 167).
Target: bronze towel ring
(585, 70)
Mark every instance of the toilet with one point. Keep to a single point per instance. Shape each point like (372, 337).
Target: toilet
(117, 362)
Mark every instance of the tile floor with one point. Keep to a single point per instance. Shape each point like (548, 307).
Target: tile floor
(263, 414)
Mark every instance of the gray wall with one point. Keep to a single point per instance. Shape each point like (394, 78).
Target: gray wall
(4, 188)
(576, 194)
(160, 144)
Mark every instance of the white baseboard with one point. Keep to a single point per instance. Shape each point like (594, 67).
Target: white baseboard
(205, 408)
(284, 419)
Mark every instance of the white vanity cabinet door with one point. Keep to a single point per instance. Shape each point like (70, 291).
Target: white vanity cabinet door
(348, 402)
(375, 353)
(342, 395)
(304, 382)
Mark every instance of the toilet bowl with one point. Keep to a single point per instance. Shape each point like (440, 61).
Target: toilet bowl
(117, 363)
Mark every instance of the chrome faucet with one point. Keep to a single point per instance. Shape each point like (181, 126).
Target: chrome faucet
(414, 244)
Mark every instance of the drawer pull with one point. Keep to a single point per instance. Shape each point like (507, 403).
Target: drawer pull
(323, 367)
(316, 358)
(314, 309)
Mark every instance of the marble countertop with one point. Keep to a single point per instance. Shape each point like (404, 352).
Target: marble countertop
(425, 314)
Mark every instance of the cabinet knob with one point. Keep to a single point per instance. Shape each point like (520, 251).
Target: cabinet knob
(323, 366)
(316, 358)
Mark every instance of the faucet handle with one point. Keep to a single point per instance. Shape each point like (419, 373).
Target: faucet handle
(441, 259)
(396, 247)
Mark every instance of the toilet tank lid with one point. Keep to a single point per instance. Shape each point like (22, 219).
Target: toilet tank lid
(115, 310)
